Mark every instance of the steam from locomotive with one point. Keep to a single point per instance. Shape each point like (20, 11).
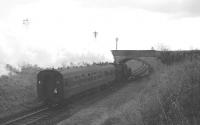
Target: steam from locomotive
(56, 54)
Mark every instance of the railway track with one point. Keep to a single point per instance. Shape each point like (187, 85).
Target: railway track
(47, 115)
(28, 118)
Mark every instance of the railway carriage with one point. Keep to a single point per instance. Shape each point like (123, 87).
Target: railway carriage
(84, 79)
(54, 86)
(50, 87)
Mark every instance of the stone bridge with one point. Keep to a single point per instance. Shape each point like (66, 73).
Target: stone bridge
(120, 55)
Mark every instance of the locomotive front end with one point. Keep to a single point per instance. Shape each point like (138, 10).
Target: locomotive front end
(50, 86)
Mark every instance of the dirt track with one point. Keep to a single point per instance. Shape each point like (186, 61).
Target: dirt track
(99, 111)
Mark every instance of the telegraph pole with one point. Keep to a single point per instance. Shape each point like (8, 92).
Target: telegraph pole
(116, 39)
(95, 34)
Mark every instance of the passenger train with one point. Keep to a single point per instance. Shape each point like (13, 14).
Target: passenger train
(54, 86)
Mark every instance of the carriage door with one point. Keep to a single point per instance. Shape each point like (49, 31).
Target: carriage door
(58, 90)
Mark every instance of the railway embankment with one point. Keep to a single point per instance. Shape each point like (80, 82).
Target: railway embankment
(170, 95)
(174, 96)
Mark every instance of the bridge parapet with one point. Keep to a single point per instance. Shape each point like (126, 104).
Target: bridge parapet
(120, 55)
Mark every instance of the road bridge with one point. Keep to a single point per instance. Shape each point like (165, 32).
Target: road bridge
(120, 55)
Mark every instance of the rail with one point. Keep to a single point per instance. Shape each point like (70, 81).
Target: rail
(29, 118)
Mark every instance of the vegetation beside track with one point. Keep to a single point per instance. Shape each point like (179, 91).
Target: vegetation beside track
(18, 89)
(172, 96)
(176, 96)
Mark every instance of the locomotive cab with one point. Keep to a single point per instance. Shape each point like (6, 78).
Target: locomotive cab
(50, 86)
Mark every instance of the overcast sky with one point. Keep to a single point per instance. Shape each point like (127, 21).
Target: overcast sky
(59, 31)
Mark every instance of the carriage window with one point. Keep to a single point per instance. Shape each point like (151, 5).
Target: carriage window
(106, 72)
(99, 74)
(65, 82)
(95, 75)
(83, 75)
(79, 77)
(109, 73)
(76, 78)
(92, 75)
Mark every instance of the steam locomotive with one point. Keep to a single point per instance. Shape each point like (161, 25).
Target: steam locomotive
(54, 86)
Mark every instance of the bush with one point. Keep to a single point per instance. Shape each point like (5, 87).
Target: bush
(178, 96)
(170, 57)
(17, 89)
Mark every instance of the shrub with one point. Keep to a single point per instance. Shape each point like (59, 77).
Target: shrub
(18, 88)
(178, 96)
